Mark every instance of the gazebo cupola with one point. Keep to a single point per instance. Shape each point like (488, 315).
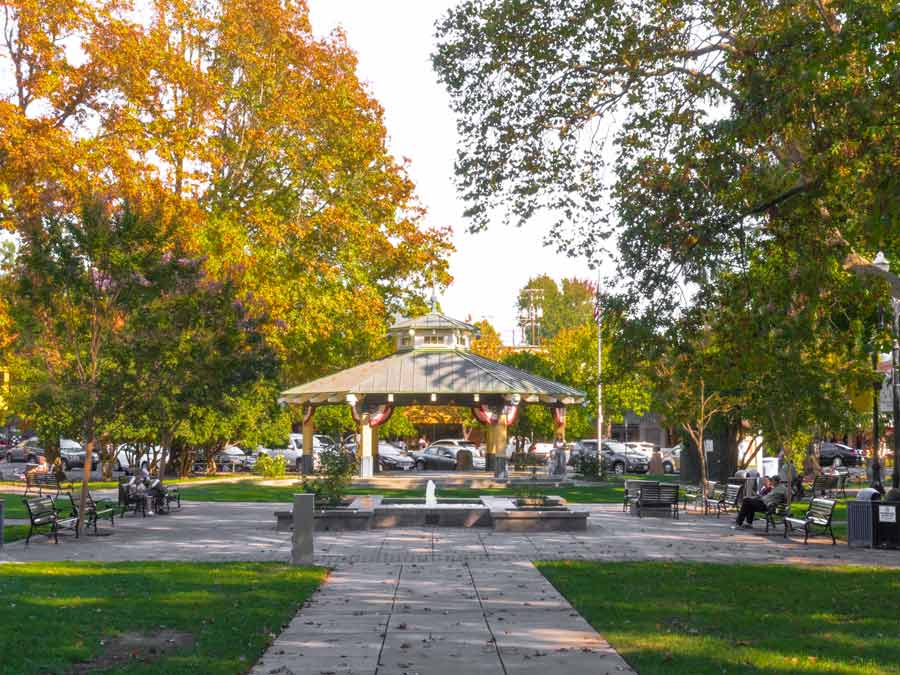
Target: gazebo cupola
(432, 331)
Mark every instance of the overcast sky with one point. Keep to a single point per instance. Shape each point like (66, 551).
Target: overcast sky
(394, 40)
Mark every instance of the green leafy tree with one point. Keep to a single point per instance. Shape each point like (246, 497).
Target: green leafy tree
(565, 305)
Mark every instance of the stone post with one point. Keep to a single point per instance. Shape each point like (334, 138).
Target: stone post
(367, 442)
(307, 462)
(304, 523)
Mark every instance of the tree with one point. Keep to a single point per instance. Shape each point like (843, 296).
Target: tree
(565, 305)
(76, 287)
(488, 344)
(731, 125)
(257, 136)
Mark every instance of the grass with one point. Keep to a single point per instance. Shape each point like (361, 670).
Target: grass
(13, 506)
(13, 533)
(701, 618)
(252, 491)
(69, 610)
(113, 484)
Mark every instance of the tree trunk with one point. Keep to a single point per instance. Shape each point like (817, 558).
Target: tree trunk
(88, 459)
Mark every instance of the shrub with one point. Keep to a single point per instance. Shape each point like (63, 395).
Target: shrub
(588, 466)
(336, 469)
(270, 467)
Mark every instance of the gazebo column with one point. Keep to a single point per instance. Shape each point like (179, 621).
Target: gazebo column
(368, 447)
(559, 423)
(500, 435)
(307, 463)
(490, 433)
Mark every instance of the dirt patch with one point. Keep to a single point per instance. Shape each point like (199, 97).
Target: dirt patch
(135, 647)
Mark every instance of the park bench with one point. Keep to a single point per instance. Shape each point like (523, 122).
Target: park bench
(661, 495)
(42, 513)
(129, 500)
(818, 515)
(724, 498)
(163, 503)
(632, 490)
(775, 513)
(93, 511)
(43, 483)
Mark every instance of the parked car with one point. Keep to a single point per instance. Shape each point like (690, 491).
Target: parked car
(234, 458)
(642, 447)
(130, 456)
(71, 454)
(456, 443)
(26, 451)
(828, 452)
(443, 458)
(671, 458)
(390, 458)
(620, 459)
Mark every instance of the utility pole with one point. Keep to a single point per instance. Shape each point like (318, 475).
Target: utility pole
(533, 313)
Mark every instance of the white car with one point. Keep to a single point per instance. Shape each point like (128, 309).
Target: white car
(643, 447)
(130, 456)
(235, 458)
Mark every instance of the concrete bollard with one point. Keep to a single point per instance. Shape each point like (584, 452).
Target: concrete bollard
(304, 521)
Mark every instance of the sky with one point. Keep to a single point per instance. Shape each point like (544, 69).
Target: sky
(394, 40)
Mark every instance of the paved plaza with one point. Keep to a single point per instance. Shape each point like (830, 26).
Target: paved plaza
(437, 600)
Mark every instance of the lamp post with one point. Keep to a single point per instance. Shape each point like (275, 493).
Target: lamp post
(884, 268)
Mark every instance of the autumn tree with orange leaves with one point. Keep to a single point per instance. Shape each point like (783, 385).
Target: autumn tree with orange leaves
(251, 137)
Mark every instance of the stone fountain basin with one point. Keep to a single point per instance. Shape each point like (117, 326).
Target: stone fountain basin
(416, 513)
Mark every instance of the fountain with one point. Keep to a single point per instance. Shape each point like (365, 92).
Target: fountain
(430, 498)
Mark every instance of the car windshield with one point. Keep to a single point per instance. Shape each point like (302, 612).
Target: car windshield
(591, 446)
(615, 446)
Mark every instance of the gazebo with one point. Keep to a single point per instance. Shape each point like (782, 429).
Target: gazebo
(433, 365)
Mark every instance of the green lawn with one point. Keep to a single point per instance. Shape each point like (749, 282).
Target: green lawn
(252, 491)
(700, 618)
(13, 507)
(74, 611)
(13, 533)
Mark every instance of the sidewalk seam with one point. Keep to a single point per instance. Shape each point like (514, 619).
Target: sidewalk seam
(486, 622)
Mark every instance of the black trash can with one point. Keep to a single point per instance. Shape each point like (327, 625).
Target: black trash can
(887, 524)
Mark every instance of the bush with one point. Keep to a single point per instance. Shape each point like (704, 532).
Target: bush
(588, 466)
(336, 469)
(270, 467)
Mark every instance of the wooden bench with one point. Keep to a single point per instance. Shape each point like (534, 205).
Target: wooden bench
(661, 495)
(724, 498)
(818, 515)
(42, 482)
(632, 490)
(42, 513)
(93, 511)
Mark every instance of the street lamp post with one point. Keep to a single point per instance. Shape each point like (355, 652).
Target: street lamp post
(884, 268)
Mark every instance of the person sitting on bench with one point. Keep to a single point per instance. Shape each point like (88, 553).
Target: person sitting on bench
(750, 506)
(40, 467)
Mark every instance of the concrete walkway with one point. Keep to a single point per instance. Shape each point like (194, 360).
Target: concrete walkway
(234, 531)
(432, 619)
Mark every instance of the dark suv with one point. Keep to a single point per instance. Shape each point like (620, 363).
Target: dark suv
(849, 456)
(615, 456)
